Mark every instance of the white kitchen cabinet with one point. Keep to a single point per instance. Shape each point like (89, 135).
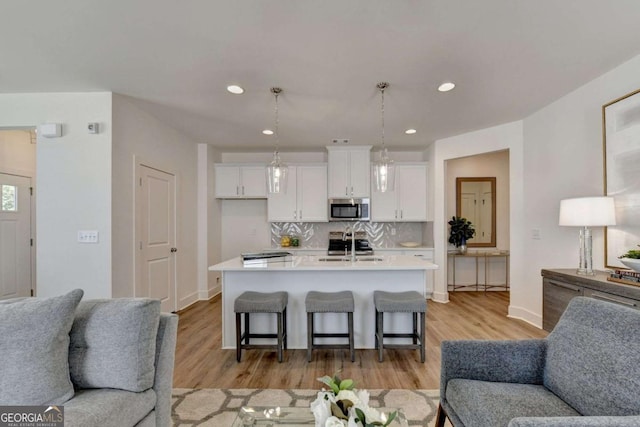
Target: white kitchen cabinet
(349, 171)
(407, 201)
(305, 199)
(240, 181)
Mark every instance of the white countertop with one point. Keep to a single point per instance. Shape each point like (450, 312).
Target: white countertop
(316, 263)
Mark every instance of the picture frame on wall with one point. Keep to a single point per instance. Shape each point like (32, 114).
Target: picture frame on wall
(621, 143)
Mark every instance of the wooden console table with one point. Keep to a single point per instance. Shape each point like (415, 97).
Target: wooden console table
(486, 256)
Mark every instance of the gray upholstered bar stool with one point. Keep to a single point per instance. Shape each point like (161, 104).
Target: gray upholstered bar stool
(329, 302)
(258, 302)
(400, 302)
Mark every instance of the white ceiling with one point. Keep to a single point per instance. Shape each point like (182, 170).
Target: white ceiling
(176, 57)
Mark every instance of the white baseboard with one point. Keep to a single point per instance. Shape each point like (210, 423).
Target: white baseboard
(187, 301)
(525, 315)
(209, 293)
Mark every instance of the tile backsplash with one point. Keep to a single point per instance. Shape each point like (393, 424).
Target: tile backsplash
(380, 234)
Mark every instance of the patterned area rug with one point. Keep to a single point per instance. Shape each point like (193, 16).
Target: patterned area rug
(218, 407)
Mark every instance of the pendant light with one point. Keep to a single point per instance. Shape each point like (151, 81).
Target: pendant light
(383, 169)
(276, 171)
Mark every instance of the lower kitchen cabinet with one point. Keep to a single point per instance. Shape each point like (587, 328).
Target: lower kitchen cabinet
(305, 199)
(560, 286)
(425, 254)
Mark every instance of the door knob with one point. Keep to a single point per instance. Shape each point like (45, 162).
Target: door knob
(174, 249)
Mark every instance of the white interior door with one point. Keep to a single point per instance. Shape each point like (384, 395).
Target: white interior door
(15, 236)
(155, 215)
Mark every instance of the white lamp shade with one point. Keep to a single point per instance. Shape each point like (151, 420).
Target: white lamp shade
(587, 211)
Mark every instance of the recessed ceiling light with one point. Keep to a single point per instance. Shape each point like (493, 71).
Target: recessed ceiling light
(235, 89)
(410, 131)
(446, 87)
(267, 132)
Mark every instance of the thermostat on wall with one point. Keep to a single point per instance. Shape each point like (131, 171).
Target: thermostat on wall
(93, 127)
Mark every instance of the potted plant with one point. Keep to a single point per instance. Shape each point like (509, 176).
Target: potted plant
(631, 259)
(460, 231)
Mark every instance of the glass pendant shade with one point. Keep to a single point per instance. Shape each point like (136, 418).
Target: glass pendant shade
(277, 175)
(384, 173)
(276, 170)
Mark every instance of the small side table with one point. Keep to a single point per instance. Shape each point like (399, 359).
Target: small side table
(486, 256)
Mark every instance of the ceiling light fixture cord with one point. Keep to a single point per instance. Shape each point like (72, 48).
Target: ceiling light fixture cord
(276, 91)
(382, 86)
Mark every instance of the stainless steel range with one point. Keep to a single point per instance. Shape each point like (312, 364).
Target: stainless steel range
(340, 244)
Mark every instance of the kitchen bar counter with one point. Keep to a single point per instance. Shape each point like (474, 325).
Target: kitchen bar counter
(327, 263)
(394, 273)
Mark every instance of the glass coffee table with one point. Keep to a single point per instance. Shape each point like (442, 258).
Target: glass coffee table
(292, 417)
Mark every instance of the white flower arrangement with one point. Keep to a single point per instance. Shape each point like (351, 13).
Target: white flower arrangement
(343, 406)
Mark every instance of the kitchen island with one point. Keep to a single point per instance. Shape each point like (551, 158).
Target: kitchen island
(392, 273)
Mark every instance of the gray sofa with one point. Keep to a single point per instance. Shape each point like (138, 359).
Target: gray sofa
(106, 362)
(585, 373)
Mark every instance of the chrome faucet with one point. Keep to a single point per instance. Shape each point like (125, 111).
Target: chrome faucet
(350, 230)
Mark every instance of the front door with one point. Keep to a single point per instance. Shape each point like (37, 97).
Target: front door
(156, 233)
(15, 236)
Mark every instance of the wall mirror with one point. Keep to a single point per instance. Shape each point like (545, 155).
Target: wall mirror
(476, 201)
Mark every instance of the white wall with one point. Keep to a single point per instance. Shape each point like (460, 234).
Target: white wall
(138, 135)
(563, 155)
(505, 137)
(17, 153)
(74, 188)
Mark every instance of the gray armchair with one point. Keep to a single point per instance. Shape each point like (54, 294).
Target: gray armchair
(585, 373)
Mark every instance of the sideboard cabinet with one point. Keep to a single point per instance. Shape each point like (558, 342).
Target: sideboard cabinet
(561, 285)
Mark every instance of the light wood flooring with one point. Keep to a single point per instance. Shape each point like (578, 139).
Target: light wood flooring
(201, 363)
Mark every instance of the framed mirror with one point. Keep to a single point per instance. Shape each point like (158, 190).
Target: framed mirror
(476, 201)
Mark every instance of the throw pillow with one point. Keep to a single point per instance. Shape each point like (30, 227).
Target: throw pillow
(34, 349)
(113, 344)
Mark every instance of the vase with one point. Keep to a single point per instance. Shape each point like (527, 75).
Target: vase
(463, 247)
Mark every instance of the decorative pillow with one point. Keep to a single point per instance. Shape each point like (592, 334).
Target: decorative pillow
(113, 344)
(34, 349)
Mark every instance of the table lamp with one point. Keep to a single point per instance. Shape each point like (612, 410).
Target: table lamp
(587, 212)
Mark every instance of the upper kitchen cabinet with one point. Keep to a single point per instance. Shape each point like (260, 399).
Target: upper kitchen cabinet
(349, 171)
(305, 199)
(235, 181)
(408, 200)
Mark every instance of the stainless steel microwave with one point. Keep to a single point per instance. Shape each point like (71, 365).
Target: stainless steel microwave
(349, 210)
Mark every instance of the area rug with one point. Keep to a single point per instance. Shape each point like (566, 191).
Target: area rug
(218, 407)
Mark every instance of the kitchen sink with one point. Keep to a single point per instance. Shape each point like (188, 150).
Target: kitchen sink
(334, 258)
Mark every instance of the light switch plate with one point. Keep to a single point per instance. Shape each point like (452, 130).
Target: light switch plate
(87, 236)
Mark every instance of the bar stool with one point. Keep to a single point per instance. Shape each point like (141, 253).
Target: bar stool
(258, 302)
(329, 302)
(400, 302)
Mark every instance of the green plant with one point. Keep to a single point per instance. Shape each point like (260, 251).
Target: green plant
(460, 231)
(633, 254)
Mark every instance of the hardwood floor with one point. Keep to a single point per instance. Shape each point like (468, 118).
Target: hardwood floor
(201, 363)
